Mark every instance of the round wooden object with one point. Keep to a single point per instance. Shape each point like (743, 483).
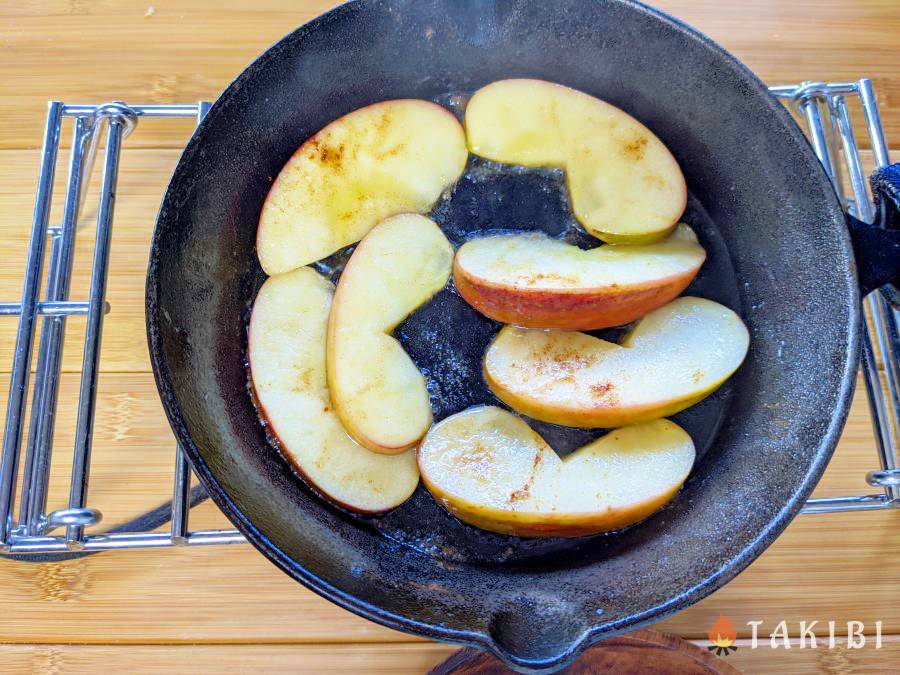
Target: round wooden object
(638, 653)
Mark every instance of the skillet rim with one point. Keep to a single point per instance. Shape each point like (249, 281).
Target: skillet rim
(698, 591)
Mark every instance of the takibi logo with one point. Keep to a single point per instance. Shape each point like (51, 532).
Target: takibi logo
(723, 636)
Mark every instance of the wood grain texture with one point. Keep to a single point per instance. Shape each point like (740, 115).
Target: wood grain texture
(143, 176)
(402, 659)
(387, 659)
(166, 51)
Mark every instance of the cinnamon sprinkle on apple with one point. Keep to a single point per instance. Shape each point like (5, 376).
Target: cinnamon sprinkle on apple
(635, 150)
(600, 390)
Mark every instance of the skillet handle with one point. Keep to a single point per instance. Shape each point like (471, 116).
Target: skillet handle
(877, 246)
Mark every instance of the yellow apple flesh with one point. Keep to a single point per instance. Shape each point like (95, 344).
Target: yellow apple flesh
(624, 184)
(388, 158)
(537, 282)
(675, 356)
(490, 469)
(378, 392)
(287, 364)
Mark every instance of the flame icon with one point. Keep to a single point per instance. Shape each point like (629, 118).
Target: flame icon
(723, 636)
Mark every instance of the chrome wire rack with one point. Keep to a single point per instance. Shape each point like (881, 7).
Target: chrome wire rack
(31, 532)
(824, 107)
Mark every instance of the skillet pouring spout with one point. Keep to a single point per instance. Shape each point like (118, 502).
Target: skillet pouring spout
(537, 636)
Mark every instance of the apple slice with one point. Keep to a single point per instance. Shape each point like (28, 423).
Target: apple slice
(378, 392)
(624, 184)
(490, 469)
(287, 365)
(539, 282)
(674, 357)
(387, 158)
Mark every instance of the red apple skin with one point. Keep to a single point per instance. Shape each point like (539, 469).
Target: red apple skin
(568, 309)
(270, 431)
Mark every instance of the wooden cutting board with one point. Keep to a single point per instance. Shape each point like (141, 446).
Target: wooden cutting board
(643, 652)
(227, 609)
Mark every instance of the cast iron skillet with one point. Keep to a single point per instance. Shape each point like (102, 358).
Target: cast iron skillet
(779, 253)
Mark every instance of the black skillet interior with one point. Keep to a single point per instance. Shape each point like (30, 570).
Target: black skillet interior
(778, 253)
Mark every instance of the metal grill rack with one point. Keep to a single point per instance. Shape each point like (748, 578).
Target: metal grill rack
(824, 107)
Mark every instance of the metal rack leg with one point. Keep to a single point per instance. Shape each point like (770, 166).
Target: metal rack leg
(93, 333)
(12, 434)
(53, 329)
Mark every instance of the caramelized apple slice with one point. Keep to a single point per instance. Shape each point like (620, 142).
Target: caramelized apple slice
(287, 365)
(538, 282)
(387, 158)
(624, 184)
(674, 357)
(378, 392)
(490, 469)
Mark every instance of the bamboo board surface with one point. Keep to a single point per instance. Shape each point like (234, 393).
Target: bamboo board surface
(226, 609)
(168, 51)
(405, 659)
